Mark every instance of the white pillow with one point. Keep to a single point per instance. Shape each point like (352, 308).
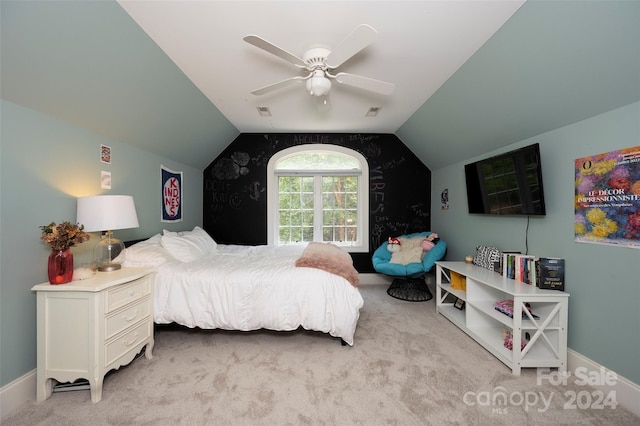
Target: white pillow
(410, 243)
(146, 254)
(407, 255)
(188, 246)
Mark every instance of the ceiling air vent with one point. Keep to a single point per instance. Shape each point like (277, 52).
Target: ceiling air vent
(264, 111)
(373, 112)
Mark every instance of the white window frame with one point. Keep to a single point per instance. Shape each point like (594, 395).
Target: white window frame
(363, 191)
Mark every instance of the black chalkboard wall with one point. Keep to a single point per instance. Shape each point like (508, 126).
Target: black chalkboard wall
(235, 183)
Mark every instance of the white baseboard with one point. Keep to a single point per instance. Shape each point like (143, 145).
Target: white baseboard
(627, 392)
(15, 394)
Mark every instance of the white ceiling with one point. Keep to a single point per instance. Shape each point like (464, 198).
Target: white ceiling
(419, 46)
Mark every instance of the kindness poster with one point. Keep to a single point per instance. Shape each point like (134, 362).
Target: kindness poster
(607, 198)
(171, 195)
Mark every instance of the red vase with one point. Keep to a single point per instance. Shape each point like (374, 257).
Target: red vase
(60, 266)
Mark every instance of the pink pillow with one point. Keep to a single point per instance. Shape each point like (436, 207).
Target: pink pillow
(426, 245)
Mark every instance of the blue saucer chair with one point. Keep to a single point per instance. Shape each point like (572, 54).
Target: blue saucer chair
(409, 280)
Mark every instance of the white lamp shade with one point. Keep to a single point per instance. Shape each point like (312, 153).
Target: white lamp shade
(107, 212)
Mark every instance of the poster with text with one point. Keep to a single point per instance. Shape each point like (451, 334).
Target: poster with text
(171, 195)
(607, 198)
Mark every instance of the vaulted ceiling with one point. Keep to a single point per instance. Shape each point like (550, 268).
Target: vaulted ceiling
(175, 77)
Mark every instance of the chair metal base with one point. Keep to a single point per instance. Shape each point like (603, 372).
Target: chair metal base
(410, 289)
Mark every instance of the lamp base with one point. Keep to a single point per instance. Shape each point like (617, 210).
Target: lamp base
(109, 268)
(109, 253)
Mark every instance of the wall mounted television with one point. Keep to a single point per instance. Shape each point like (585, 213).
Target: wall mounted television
(507, 184)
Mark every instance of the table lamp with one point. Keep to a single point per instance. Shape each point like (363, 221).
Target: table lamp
(106, 213)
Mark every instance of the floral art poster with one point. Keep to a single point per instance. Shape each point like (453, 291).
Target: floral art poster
(171, 195)
(607, 198)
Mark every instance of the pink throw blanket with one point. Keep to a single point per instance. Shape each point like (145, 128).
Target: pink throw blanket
(330, 258)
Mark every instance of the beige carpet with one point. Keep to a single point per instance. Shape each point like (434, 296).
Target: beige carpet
(409, 366)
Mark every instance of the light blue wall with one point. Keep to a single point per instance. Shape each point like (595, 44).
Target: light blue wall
(45, 165)
(604, 319)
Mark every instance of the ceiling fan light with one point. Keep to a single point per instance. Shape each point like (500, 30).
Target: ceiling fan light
(318, 86)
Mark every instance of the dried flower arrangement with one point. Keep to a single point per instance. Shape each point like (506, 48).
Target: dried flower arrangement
(64, 235)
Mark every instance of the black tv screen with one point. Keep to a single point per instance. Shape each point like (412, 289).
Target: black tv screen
(507, 184)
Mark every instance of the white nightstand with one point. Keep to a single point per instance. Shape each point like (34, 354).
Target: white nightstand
(88, 327)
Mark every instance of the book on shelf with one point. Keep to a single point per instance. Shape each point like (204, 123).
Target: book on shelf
(507, 337)
(550, 273)
(506, 307)
(506, 266)
(525, 267)
(519, 267)
(458, 281)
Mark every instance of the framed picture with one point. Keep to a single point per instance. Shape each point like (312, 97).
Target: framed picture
(105, 180)
(459, 304)
(171, 195)
(105, 154)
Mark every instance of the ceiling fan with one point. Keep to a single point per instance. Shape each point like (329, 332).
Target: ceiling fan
(320, 62)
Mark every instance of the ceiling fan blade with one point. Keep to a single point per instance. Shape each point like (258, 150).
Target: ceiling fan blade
(360, 38)
(366, 83)
(278, 85)
(275, 50)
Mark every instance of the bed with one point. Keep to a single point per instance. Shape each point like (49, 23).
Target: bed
(199, 283)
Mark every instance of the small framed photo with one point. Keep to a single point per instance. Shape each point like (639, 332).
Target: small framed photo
(105, 180)
(105, 154)
(459, 304)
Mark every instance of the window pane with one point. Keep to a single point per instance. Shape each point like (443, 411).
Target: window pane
(307, 218)
(284, 201)
(327, 217)
(307, 184)
(284, 184)
(307, 201)
(318, 161)
(284, 234)
(295, 209)
(296, 218)
(296, 201)
(328, 200)
(327, 184)
(339, 208)
(283, 218)
(351, 183)
(296, 234)
(351, 201)
(307, 234)
(351, 218)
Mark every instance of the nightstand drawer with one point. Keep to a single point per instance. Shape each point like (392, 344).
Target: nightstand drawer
(127, 342)
(126, 318)
(126, 293)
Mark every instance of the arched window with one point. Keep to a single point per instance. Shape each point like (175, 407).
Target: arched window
(318, 192)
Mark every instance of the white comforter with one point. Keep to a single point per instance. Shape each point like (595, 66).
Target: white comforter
(249, 288)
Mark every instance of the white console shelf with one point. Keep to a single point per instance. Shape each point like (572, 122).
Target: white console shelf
(547, 343)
